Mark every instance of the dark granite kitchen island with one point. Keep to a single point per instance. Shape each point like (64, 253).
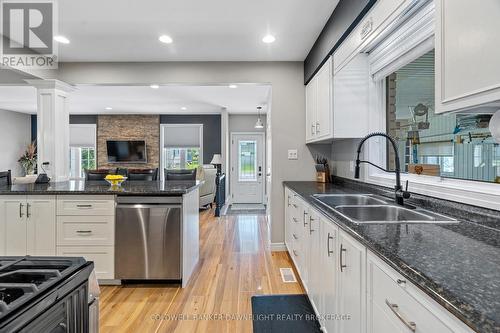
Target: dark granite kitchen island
(458, 265)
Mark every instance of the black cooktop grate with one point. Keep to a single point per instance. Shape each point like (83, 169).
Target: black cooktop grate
(22, 278)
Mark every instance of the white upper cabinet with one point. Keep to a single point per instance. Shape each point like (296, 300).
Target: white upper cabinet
(467, 54)
(324, 111)
(319, 105)
(311, 106)
(350, 99)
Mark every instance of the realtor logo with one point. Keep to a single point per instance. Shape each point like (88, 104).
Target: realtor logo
(27, 34)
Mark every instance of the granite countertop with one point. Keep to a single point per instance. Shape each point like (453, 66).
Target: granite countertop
(141, 188)
(458, 265)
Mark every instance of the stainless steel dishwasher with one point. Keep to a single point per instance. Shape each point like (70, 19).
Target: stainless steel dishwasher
(148, 238)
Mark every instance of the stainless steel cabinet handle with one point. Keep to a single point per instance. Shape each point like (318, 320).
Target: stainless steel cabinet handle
(288, 201)
(84, 231)
(310, 224)
(304, 219)
(395, 309)
(312, 128)
(342, 250)
(295, 206)
(295, 219)
(295, 236)
(28, 213)
(295, 253)
(317, 127)
(83, 206)
(328, 244)
(21, 214)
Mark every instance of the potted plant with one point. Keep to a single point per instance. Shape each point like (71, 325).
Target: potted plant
(28, 159)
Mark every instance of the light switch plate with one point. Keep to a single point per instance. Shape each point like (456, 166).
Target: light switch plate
(292, 154)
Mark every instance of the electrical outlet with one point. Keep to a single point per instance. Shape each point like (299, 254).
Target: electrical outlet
(293, 154)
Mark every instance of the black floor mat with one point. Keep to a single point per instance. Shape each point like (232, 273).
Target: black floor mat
(283, 313)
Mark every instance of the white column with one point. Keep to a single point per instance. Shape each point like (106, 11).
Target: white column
(225, 146)
(53, 127)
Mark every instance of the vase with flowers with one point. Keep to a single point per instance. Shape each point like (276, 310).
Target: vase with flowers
(28, 159)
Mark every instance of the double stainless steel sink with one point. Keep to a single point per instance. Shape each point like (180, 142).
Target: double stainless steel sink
(370, 209)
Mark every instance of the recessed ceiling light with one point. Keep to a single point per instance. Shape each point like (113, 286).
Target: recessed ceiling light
(108, 108)
(165, 39)
(184, 108)
(233, 86)
(268, 39)
(154, 86)
(61, 39)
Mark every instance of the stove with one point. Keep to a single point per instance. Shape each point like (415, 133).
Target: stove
(46, 294)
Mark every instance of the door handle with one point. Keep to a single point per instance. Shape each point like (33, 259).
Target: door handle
(310, 224)
(328, 244)
(342, 250)
(28, 213)
(395, 309)
(84, 232)
(21, 214)
(83, 206)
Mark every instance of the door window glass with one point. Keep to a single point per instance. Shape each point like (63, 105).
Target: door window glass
(247, 160)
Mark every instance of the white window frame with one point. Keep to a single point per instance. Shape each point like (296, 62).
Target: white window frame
(162, 146)
(466, 191)
(78, 160)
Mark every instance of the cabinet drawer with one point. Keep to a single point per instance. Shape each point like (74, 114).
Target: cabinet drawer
(85, 230)
(85, 206)
(398, 304)
(102, 256)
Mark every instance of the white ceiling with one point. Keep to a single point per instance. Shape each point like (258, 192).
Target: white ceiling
(145, 100)
(216, 30)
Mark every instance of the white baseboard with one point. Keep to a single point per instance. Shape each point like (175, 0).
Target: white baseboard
(278, 247)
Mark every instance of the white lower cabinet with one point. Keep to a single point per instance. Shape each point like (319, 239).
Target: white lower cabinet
(329, 251)
(41, 225)
(314, 259)
(27, 225)
(102, 256)
(351, 289)
(351, 265)
(86, 228)
(394, 305)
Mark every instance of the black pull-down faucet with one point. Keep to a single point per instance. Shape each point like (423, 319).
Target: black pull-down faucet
(399, 193)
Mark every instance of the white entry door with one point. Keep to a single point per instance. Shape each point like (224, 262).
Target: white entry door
(247, 167)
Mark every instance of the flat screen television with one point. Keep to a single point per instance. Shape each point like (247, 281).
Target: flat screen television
(126, 151)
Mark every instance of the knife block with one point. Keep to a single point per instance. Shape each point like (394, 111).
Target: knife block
(323, 176)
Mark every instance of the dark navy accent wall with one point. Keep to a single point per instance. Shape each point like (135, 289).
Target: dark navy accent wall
(73, 119)
(33, 127)
(345, 17)
(212, 138)
(83, 119)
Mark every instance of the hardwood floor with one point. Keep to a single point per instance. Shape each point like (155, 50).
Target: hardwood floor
(235, 264)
